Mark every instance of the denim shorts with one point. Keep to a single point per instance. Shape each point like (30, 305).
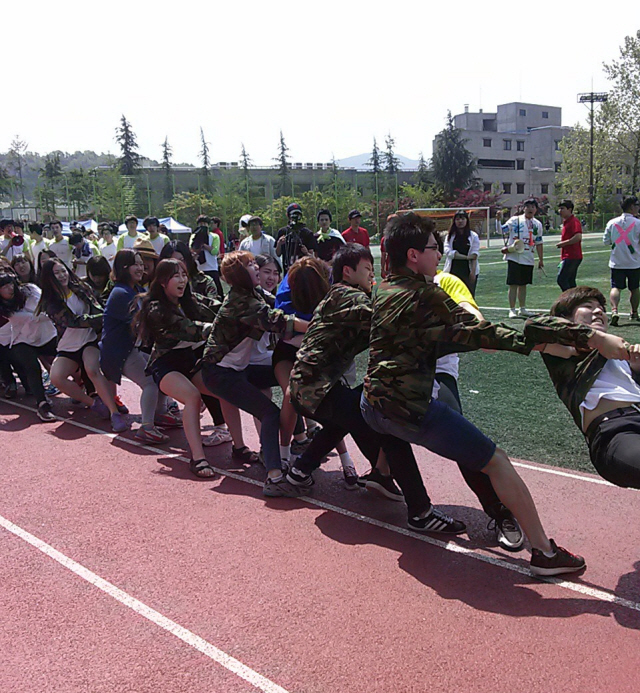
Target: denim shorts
(442, 431)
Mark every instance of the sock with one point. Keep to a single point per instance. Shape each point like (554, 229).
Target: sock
(549, 554)
(276, 479)
(346, 460)
(285, 452)
(220, 427)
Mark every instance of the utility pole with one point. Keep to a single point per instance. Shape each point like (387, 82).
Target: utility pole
(591, 98)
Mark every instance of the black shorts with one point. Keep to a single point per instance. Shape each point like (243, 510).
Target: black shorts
(175, 361)
(619, 278)
(77, 355)
(519, 275)
(284, 352)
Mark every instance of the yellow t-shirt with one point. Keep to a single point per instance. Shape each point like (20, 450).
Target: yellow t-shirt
(455, 287)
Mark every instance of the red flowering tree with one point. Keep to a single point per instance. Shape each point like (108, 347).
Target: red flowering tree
(477, 198)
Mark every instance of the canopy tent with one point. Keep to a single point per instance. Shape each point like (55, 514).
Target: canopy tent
(88, 224)
(171, 224)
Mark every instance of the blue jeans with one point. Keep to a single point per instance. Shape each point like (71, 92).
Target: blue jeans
(236, 388)
(443, 431)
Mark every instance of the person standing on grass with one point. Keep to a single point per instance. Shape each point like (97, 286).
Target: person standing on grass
(570, 245)
(258, 242)
(602, 395)
(294, 240)
(329, 240)
(461, 250)
(411, 318)
(524, 234)
(356, 233)
(128, 239)
(60, 245)
(623, 235)
(152, 227)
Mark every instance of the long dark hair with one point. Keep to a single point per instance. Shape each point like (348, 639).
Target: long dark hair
(123, 260)
(453, 229)
(42, 258)
(52, 291)
(8, 308)
(98, 266)
(164, 271)
(180, 247)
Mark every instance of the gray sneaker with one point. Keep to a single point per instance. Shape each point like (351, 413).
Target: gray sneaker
(100, 408)
(119, 423)
(508, 532)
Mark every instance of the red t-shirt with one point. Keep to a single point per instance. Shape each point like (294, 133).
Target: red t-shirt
(220, 235)
(360, 236)
(570, 228)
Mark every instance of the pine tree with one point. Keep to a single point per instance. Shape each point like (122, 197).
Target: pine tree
(283, 167)
(374, 162)
(245, 165)
(129, 161)
(453, 164)
(389, 158)
(16, 154)
(422, 177)
(167, 168)
(206, 162)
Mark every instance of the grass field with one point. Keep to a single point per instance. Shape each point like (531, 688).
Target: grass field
(510, 397)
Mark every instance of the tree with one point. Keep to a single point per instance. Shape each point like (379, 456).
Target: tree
(167, 168)
(17, 151)
(422, 177)
(421, 198)
(206, 162)
(453, 164)
(5, 181)
(129, 161)
(478, 198)
(389, 158)
(623, 106)
(283, 167)
(245, 165)
(374, 162)
(47, 189)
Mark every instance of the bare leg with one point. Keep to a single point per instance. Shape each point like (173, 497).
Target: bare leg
(614, 299)
(62, 370)
(513, 291)
(635, 300)
(91, 360)
(513, 493)
(179, 387)
(229, 411)
(288, 414)
(522, 296)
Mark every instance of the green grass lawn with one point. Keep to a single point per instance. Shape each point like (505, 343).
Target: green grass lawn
(510, 397)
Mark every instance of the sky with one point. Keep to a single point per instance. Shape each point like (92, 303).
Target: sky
(331, 75)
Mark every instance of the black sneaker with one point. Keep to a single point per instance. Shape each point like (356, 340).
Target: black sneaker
(635, 316)
(44, 412)
(561, 562)
(362, 480)
(614, 319)
(281, 488)
(299, 446)
(11, 391)
(436, 522)
(384, 486)
(298, 478)
(508, 533)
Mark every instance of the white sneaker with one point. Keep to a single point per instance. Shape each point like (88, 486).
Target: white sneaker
(218, 437)
(513, 313)
(524, 313)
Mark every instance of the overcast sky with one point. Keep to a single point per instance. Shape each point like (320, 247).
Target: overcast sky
(331, 75)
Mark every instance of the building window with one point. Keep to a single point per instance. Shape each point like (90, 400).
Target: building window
(556, 145)
(544, 188)
(487, 187)
(557, 167)
(523, 112)
(520, 164)
(618, 191)
(545, 115)
(520, 145)
(507, 145)
(486, 142)
(520, 188)
(507, 188)
(496, 163)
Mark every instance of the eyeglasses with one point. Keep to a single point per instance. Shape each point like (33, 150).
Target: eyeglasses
(431, 247)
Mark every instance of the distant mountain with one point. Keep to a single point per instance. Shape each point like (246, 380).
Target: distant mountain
(360, 162)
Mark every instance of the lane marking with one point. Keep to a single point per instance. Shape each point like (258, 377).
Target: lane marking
(593, 592)
(206, 648)
(551, 258)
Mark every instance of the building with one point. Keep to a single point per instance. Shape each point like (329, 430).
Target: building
(517, 149)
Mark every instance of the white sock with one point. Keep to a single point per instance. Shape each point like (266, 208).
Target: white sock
(285, 452)
(549, 554)
(346, 460)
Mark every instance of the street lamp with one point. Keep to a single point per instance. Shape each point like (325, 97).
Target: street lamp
(591, 98)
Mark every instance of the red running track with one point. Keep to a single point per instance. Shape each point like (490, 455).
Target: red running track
(314, 599)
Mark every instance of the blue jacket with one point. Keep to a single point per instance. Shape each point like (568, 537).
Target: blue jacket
(117, 340)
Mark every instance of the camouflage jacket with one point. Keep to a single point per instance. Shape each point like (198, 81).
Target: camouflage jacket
(572, 377)
(244, 314)
(204, 286)
(411, 318)
(168, 330)
(62, 316)
(338, 332)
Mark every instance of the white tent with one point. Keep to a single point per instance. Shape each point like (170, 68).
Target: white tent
(171, 224)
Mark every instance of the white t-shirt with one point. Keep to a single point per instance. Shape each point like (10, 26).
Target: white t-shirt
(74, 338)
(623, 235)
(529, 231)
(27, 328)
(261, 355)
(159, 242)
(62, 250)
(108, 251)
(211, 261)
(127, 241)
(614, 382)
(10, 251)
(240, 357)
(36, 248)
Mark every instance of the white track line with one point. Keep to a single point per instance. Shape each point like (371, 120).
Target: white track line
(233, 665)
(593, 592)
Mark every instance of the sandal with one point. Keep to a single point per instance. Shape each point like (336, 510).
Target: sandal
(202, 469)
(245, 455)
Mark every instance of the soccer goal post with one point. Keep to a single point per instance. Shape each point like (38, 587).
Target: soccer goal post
(479, 218)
